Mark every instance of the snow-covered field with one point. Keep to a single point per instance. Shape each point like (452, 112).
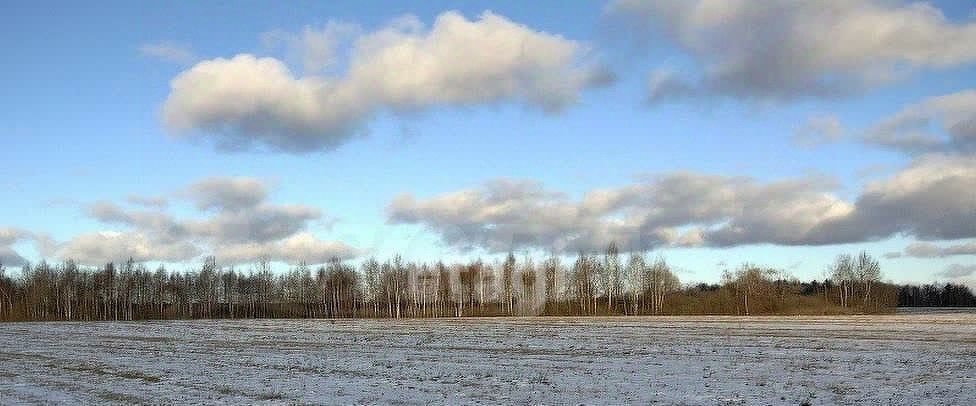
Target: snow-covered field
(901, 359)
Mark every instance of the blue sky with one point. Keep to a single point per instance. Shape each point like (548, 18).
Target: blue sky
(83, 123)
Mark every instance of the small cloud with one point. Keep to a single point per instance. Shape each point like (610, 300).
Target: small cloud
(892, 255)
(227, 192)
(168, 52)
(818, 131)
(9, 257)
(873, 170)
(940, 124)
(929, 250)
(148, 201)
(957, 271)
(316, 47)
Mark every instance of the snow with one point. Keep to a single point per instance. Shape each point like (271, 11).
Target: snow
(898, 359)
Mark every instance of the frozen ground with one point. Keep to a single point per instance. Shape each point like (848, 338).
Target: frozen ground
(901, 359)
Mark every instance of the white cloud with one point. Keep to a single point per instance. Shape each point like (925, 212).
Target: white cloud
(937, 124)
(236, 222)
(247, 101)
(301, 247)
(317, 48)
(10, 235)
(929, 199)
(112, 246)
(925, 200)
(942, 124)
(714, 210)
(797, 49)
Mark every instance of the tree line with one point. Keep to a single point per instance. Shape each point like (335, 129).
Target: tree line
(932, 295)
(592, 284)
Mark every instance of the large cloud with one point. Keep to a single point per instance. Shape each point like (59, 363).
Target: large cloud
(796, 49)
(926, 200)
(248, 101)
(931, 199)
(674, 209)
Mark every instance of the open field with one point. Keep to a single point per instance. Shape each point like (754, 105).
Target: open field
(898, 359)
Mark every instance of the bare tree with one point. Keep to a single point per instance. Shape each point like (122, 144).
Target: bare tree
(551, 268)
(842, 272)
(661, 281)
(527, 300)
(636, 283)
(868, 273)
(611, 271)
(508, 275)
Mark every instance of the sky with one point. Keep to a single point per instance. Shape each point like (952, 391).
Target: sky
(713, 133)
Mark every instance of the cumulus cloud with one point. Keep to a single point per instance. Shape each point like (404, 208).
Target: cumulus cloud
(248, 101)
(795, 49)
(929, 199)
(957, 271)
(235, 221)
(712, 210)
(923, 200)
(929, 250)
(168, 52)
